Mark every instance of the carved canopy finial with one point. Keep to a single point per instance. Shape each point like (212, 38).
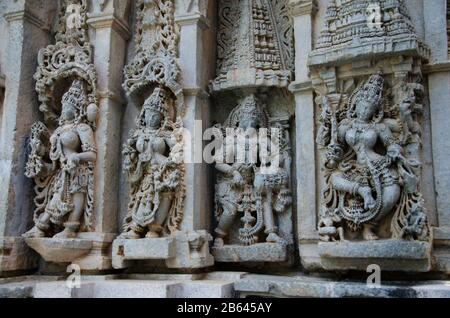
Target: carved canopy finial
(68, 59)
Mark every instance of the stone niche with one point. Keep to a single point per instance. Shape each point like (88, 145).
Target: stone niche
(366, 70)
(158, 228)
(253, 210)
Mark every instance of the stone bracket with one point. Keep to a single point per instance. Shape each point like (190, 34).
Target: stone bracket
(90, 251)
(262, 252)
(182, 250)
(390, 255)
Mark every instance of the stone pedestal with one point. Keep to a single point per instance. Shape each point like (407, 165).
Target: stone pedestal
(27, 25)
(390, 255)
(262, 252)
(182, 250)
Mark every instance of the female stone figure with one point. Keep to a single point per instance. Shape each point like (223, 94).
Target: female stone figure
(153, 156)
(64, 171)
(243, 188)
(367, 172)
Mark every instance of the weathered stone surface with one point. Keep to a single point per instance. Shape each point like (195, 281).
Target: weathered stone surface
(363, 130)
(162, 248)
(60, 250)
(212, 285)
(390, 255)
(298, 285)
(262, 252)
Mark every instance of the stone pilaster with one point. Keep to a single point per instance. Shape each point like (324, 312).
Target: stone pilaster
(111, 35)
(303, 12)
(28, 32)
(193, 51)
(438, 71)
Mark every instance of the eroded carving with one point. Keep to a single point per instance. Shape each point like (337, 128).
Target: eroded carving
(244, 190)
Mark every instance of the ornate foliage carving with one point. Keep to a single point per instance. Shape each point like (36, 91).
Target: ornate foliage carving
(63, 149)
(156, 58)
(153, 154)
(69, 57)
(371, 141)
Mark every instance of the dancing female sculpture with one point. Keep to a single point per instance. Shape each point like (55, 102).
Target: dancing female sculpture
(153, 164)
(367, 177)
(62, 167)
(243, 187)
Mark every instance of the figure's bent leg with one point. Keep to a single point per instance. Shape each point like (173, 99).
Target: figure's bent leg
(156, 228)
(42, 225)
(269, 221)
(354, 188)
(225, 222)
(72, 226)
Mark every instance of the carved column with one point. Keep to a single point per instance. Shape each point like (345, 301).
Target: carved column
(28, 29)
(438, 71)
(110, 22)
(196, 47)
(306, 165)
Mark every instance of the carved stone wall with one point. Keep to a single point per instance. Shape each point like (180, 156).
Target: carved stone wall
(123, 124)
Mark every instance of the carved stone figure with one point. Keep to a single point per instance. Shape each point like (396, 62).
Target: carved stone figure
(370, 173)
(63, 148)
(153, 157)
(243, 188)
(62, 165)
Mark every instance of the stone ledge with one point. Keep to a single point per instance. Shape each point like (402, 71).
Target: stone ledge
(60, 250)
(299, 285)
(390, 255)
(263, 252)
(158, 248)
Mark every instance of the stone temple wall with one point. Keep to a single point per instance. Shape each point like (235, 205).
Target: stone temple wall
(117, 153)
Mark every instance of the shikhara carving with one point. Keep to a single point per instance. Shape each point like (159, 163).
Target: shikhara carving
(153, 154)
(63, 150)
(371, 140)
(255, 37)
(157, 195)
(244, 190)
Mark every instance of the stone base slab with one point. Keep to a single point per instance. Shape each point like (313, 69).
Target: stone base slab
(441, 249)
(16, 256)
(183, 250)
(262, 252)
(90, 251)
(390, 255)
(216, 285)
(300, 285)
(60, 250)
(211, 285)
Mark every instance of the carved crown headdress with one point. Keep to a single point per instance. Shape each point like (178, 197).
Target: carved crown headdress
(248, 108)
(76, 95)
(157, 102)
(371, 91)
